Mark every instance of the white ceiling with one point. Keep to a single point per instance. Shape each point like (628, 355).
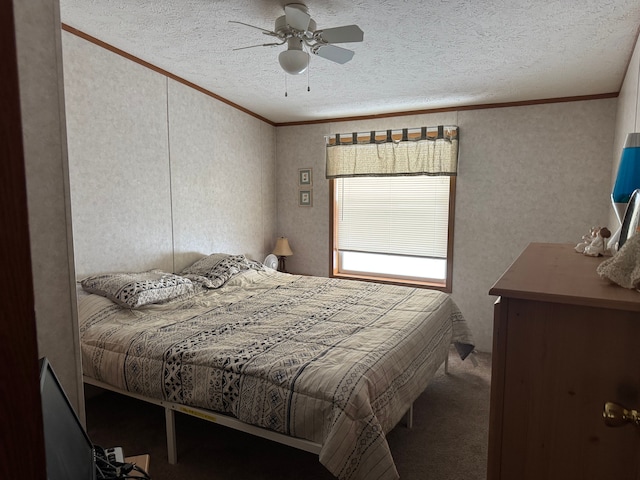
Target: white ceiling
(416, 54)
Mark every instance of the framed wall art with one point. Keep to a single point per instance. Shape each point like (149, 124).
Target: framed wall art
(305, 177)
(305, 197)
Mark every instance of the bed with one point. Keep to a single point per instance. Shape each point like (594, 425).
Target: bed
(326, 365)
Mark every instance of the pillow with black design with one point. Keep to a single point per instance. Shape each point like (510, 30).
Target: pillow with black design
(214, 270)
(134, 290)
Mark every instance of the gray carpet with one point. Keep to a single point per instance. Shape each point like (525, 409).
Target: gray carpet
(448, 440)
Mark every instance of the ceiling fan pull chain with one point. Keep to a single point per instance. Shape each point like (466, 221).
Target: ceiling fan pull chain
(285, 86)
(308, 68)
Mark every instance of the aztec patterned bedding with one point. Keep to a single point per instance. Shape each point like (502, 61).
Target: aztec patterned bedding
(336, 362)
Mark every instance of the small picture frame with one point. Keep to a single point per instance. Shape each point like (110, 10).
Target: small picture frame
(305, 177)
(305, 197)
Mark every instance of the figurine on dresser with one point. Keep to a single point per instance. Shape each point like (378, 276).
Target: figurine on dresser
(594, 243)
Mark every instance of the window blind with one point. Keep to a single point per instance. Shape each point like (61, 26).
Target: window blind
(394, 215)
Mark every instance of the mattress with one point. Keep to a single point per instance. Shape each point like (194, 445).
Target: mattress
(336, 362)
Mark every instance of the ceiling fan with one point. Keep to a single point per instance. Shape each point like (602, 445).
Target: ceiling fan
(297, 29)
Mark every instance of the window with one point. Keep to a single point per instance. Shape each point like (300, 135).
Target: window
(393, 205)
(394, 228)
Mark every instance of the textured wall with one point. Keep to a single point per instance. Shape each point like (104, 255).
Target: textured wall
(41, 96)
(528, 174)
(222, 177)
(159, 169)
(534, 173)
(118, 160)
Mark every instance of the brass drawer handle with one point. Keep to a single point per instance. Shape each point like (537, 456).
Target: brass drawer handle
(615, 415)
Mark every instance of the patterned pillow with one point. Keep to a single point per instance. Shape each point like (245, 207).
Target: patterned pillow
(133, 290)
(215, 270)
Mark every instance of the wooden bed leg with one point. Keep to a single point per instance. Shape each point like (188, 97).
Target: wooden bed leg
(408, 417)
(446, 365)
(170, 420)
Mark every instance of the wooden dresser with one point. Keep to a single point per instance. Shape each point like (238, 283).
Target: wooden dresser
(565, 341)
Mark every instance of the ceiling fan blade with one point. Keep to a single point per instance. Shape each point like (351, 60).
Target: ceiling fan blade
(348, 33)
(297, 17)
(261, 45)
(264, 30)
(333, 53)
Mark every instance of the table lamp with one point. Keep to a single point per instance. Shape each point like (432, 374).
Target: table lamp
(628, 177)
(627, 180)
(282, 251)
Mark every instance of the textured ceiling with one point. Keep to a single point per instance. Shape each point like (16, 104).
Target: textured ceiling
(415, 55)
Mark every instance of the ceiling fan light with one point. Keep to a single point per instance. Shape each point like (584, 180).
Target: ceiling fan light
(294, 62)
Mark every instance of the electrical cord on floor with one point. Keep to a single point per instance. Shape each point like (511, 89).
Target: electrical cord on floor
(111, 470)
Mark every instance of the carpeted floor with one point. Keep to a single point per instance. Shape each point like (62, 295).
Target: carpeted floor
(448, 439)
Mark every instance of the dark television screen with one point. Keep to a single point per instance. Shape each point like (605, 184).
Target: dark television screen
(68, 449)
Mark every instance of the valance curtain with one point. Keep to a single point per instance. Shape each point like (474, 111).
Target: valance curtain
(420, 151)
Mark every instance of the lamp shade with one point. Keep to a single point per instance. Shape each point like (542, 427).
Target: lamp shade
(294, 62)
(282, 248)
(628, 177)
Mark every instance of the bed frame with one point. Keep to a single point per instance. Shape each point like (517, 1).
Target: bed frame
(228, 421)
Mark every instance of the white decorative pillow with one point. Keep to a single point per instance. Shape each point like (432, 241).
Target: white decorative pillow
(214, 270)
(133, 290)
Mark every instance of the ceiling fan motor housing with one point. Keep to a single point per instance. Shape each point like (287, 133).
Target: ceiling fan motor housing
(285, 31)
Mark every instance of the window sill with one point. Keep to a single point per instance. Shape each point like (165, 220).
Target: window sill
(394, 281)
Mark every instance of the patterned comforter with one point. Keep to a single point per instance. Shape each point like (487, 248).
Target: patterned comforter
(333, 361)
